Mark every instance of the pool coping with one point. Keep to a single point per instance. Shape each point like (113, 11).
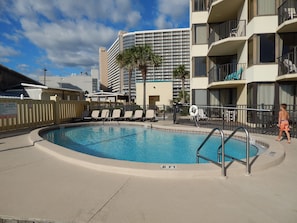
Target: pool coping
(272, 155)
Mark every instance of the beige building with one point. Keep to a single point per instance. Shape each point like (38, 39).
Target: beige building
(243, 52)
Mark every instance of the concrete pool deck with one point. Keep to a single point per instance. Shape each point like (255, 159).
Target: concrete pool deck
(36, 185)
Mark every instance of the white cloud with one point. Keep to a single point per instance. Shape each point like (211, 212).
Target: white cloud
(6, 52)
(162, 23)
(70, 43)
(170, 12)
(70, 32)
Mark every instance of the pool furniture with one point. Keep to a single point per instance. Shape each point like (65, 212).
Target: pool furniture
(104, 115)
(127, 116)
(150, 115)
(138, 115)
(234, 76)
(201, 115)
(116, 115)
(291, 68)
(94, 115)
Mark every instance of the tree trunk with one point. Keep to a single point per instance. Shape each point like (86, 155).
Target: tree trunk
(130, 76)
(183, 90)
(144, 90)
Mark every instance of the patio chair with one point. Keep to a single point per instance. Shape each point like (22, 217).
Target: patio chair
(104, 115)
(150, 115)
(127, 116)
(138, 115)
(94, 115)
(291, 68)
(201, 115)
(116, 115)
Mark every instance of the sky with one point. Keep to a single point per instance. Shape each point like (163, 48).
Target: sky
(64, 36)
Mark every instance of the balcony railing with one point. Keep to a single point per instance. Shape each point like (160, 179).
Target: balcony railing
(232, 28)
(226, 72)
(287, 63)
(287, 11)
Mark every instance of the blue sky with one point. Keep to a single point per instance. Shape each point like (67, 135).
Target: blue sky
(64, 35)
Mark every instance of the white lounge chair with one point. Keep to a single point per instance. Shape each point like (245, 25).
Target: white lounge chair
(94, 115)
(104, 115)
(138, 115)
(127, 116)
(116, 115)
(150, 115)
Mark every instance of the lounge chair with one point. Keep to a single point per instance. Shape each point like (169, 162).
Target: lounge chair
(104, 115)
(138, 115)
(150, 115)
(94, 115)
(116, 115)
(127, 116)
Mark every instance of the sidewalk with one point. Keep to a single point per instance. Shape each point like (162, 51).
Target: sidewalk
(35, 185)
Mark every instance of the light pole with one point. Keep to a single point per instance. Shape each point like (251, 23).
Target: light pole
(44, 75)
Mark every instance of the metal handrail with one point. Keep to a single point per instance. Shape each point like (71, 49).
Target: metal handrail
(247, 162)
(220, 164)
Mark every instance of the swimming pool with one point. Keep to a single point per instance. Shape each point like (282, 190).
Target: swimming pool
(142, 144)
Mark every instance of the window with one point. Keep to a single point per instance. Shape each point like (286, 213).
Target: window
(261, 8)
(199, 34)
(199, 97)
(266, 7)
(199, 5)
(261, 49)
(94, 84)
(265, 94)
(251, 52)
(288, 94)
(199, 67)
(267, 48)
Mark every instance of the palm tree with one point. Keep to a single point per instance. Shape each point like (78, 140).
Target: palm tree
(126, 60)
(144, 58)
(181, 73)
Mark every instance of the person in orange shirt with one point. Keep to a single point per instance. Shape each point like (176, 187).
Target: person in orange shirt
(283, 123)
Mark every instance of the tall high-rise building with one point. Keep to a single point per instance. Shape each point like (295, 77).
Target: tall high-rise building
(173, 45)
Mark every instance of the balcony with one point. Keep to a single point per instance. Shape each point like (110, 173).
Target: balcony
(287, 16)
(225, 38)
(226, 75)
(287, 65)
(218, 9)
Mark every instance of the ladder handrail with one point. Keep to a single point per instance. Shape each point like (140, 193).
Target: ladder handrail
(247, 163)
(222, 164)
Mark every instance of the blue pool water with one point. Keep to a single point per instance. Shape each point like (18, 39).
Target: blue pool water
(140, 144)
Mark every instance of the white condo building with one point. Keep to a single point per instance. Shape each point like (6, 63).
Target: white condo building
(173, 45)
(243, 52)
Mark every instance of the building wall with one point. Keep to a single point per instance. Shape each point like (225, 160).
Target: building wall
(76, 81)
(154, 89)
(259, 77)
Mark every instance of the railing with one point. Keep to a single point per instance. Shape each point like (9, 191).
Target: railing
(287, 63)
(225, 72)
(232, 28)
(287, 11)
(260, 119)
(220, 164)
(221, 154)
(247, 150)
